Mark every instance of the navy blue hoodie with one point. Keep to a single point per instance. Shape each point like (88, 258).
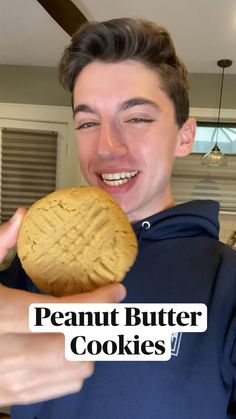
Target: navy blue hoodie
(180, 260)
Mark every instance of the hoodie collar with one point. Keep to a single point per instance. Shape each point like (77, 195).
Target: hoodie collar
(194, 218)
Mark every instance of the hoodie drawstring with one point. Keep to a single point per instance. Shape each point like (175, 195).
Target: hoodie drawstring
(145, 226)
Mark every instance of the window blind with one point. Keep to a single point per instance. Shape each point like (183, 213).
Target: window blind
(28, 168)
(191, 180)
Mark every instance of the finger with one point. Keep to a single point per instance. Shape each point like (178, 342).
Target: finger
(23, 376)
(14, 304)
(35, 385)
(9, 232)
(14, 308)
(112, 293)
(23, 351)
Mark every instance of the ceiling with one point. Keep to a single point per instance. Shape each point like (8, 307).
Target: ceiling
(204, 31)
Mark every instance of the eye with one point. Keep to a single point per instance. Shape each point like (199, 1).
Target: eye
(86, 125)
(140, 120)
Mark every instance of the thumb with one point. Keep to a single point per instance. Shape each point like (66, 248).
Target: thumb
(9, 232)
(112, 293)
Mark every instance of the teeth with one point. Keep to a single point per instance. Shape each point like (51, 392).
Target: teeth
(119, 178)
(115, 182)
(118, 175)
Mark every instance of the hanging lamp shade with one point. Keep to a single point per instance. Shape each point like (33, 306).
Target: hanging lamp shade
(215, 157)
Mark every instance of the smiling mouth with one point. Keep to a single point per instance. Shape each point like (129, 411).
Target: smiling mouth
(118, 178)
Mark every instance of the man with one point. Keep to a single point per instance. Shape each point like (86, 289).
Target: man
(130, 103)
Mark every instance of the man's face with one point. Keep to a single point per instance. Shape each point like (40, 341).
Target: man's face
(126, 135)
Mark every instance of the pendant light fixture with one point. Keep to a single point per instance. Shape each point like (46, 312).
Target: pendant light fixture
(215, 157)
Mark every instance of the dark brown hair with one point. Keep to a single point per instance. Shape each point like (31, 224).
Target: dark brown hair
(120, 39)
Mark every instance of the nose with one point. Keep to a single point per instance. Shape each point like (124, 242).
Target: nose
(110, 143)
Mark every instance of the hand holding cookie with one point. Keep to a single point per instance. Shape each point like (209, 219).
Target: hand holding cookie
(22, 378)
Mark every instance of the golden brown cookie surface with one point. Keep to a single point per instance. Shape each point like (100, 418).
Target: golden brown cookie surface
(74, 240)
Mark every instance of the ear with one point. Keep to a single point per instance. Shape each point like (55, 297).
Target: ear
(185, 138)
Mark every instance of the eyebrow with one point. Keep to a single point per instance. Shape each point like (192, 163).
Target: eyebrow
(135, 101)
(83, 108)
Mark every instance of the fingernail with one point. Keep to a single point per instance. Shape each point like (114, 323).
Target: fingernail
(120, 292)
(15, 216)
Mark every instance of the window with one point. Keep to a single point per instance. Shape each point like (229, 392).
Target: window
(206, 136)
(28, 167)
(45, 120)
(191, 180)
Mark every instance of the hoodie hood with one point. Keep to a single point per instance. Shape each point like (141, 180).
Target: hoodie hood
(194, 218)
